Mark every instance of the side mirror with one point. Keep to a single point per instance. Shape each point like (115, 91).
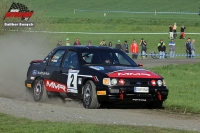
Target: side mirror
(140, 65)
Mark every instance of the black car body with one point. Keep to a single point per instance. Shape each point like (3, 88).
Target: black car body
(95, 75)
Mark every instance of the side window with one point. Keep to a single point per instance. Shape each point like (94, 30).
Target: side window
(122, 60)
(71, 60)
(56, 58)
(87, 57)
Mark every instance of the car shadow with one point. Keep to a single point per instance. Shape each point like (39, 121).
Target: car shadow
(126, 106)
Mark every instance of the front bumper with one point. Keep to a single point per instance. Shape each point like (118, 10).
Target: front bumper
(29, 83)
(127, 94)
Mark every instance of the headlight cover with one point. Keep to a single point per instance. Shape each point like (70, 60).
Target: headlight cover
(159, 82)
(106, 81)
(114, 81)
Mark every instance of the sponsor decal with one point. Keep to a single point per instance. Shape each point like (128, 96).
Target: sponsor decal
(133, 74)
(55, 86)
(43, 73)
(34, 72)
(29, 85)
(97, 67)
(32, 78)
(101, 92)
(121, 67)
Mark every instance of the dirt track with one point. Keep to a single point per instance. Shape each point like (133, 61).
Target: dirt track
(15, 99)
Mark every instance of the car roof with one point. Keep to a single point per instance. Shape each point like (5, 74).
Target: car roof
(86, 47)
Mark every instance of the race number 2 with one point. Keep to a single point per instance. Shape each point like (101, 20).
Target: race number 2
(72, 81)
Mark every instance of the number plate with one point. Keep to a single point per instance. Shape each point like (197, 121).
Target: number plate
(141, 89)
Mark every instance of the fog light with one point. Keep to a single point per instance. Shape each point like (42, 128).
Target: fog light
(153, 82)
(164, 83)
(121, 81)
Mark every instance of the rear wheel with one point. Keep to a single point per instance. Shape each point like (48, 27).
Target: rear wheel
(39, 91)
(90, 100)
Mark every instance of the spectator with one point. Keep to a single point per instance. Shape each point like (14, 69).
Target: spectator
(143, 44)
(103, 43)
(77, 42)
(172, 48)
(134, 49)
(59, 43)
(170, 32)
(161, 49)
(193, 48)
(110, 44)
(125, 47)
(67, 42)
(174, 30)
(118, 45)
(182, 32)
(89, 43)
(188, 48)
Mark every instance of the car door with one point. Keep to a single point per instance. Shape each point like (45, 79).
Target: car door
(69, 71)
(51, 69)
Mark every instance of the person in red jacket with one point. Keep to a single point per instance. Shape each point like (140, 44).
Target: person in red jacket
(134, 49)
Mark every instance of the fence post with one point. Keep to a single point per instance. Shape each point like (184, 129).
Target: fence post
(155, 12)
(74, 11)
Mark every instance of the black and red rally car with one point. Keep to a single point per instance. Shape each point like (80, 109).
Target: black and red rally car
(95, 75)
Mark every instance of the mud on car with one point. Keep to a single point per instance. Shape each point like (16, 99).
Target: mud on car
(95, 75)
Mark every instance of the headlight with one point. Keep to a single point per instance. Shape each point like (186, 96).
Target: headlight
(159, 82)
(106, 81)
(164, 83)
(113, 81)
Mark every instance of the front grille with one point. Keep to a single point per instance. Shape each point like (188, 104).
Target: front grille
(138, 83)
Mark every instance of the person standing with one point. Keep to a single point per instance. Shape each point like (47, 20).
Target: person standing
(67, 42)
(77, 42)
(59, 43)
(134, 49)
(118, 45)
(188, 48)
(125, 47)
(174, 30)
(182, 32)
(193, 48)
(110, 44)
(143, 44)
(103, 43)
(172, 48)
(89, 43)
(161, 49)
(170, 32)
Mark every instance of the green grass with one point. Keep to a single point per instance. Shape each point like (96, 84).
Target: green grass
(10, 124)
(183, 84)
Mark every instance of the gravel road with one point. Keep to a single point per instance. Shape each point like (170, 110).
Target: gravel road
(18, 101)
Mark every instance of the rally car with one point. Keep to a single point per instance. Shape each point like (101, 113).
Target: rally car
(96, 75)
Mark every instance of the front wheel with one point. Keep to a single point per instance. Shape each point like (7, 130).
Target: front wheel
(39, 92)
(90, 100)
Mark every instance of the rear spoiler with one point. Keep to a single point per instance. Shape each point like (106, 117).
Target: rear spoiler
(35, 61)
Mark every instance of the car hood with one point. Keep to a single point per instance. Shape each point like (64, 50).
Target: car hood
(125, 72)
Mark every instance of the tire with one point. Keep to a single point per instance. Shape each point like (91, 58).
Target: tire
(153, 105)
(90, 100)
(39, 91)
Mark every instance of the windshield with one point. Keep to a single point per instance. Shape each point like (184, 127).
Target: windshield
(106, 57)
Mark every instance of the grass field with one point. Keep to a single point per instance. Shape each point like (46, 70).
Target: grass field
(182, 82)
(11, 124)
(59, 16)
